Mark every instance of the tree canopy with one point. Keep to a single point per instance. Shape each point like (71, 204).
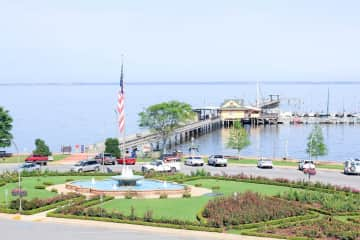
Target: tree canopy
(316, 146)
(238, 138)
(112, 146)
(164, 118)
(5, 128)
(41, 148)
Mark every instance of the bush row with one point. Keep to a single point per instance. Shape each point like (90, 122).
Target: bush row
(138, 222)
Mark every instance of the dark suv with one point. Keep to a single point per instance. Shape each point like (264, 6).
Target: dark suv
(106, 158)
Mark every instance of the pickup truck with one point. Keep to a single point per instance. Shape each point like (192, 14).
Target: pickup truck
(4, 154)
(38, 159)
(161, 166)
(128, 161)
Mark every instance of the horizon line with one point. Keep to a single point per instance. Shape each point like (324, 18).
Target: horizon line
(179, 83)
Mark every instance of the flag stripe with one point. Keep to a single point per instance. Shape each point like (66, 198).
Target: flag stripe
(121, 103)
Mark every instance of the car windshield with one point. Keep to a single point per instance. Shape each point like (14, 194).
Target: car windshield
(218, 156)
(198, 158)
(80, 164)
(155, 163)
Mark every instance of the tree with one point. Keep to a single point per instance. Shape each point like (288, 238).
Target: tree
(5, 128)
(164, 118)
(112, 146)
(41, 148)
(316, 146)
(238, 138)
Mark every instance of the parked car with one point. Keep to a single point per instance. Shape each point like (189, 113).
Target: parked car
(217, 160)
(4, 154)
(352, 166)
(86, 166)
(194, 161)
(161, 166)
(175, 156)
(106, 158)
(306, 164)
(265, 163)
(29, 167)
(38, 159)
(128, 161)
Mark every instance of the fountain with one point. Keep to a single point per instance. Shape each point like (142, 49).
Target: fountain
(127, 177)
(120, 185)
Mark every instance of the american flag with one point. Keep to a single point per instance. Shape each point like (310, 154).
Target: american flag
(120, 102)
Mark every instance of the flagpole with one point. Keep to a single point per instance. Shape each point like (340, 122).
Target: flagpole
(124, 130)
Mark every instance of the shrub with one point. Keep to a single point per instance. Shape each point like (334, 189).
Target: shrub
(48, 183)
(163, 195)
(128, 195)
(186, 194)
(39, 187)
(69, 180)
(198, 184)
(215, 187)
(54, 190)
(148, 216)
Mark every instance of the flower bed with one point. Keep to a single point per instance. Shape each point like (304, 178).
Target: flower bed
(248, 208)
(333, 203)
(39, 203)
(325, 228)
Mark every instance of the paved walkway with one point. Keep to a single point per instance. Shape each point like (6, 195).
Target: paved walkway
(86, 229)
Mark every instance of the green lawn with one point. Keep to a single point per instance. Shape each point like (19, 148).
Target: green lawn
(170, 208)
(21, 158)
(285, 163)
(29, 183)
(187, 208)
(229, 187)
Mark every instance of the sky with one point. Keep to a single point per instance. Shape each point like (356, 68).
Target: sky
(171, 41)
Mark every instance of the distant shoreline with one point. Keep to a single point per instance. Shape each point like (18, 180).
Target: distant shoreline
(183, 83)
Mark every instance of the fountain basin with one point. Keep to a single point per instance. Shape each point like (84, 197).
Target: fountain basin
(127, 180)
(143, 187)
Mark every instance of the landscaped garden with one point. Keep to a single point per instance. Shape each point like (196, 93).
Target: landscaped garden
(239, 204)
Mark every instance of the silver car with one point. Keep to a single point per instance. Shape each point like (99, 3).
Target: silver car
(352, 166)
(217, 160)
(86, 166)
(29, 167)
(265, 163)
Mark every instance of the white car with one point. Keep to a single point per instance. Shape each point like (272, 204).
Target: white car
(352, 166)
(29, 167)
(306, 164)
(194, 161)
(86, 166)
(161, 166)
(265, 163)
(217, 160)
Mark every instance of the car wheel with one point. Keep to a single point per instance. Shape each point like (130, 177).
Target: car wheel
(80, 170)
(173, 170)
(201, 164)
(225, 165)
(97, 169)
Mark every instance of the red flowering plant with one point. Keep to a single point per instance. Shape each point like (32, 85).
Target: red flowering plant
(19, 192)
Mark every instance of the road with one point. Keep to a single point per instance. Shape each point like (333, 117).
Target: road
(325, 176)
(72, 229)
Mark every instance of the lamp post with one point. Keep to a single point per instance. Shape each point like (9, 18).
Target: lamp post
(19, 175)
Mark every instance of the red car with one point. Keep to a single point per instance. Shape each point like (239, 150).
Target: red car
(128, 161)
(38, 159)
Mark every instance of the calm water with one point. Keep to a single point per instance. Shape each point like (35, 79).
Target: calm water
(85, 114)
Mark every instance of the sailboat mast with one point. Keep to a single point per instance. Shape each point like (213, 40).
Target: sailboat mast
(327, 106)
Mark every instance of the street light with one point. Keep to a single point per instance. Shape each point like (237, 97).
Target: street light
(19, 174)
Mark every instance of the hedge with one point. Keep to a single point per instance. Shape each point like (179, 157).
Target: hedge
(41, 209)
(137, 222)
(308, 216)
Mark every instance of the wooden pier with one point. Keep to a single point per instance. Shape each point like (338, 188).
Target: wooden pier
(181, 135)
